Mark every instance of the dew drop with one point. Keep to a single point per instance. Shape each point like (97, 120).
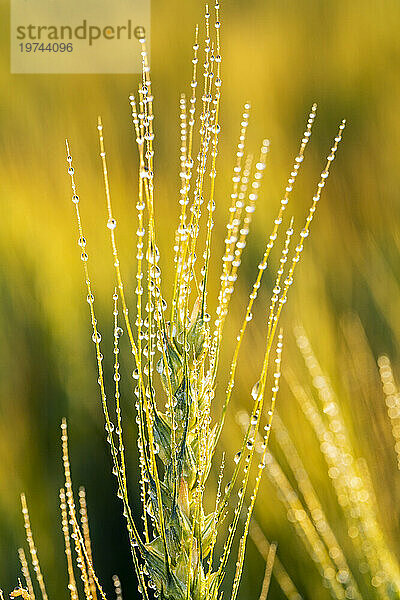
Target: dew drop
(255, 390)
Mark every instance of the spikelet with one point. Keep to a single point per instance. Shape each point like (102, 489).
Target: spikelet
(175, 556)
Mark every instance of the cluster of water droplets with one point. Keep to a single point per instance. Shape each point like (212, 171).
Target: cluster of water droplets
(348, 479)
(236, 202)
(392, 399)
(237, 232)
(187, 163)
(209, 130)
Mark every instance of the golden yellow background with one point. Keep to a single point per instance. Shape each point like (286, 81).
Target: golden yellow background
(280, 55)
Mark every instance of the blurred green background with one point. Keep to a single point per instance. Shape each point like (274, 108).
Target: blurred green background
(280, 55)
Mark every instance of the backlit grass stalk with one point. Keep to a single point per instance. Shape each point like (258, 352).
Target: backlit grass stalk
(175, 555)
(392, 399)
(361, 515)
(282, 577)
(378, 567)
